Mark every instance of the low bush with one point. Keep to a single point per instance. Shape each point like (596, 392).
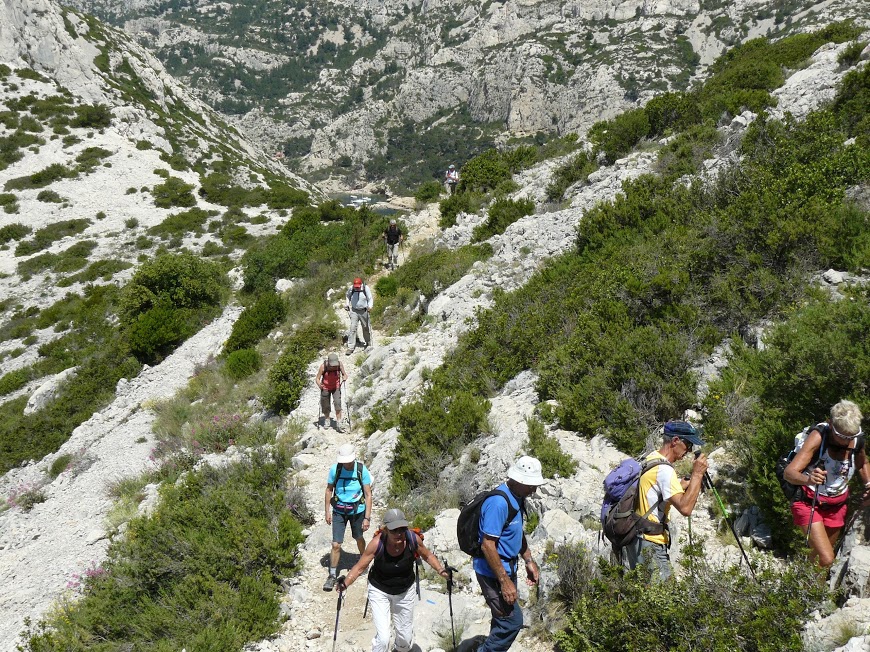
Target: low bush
(455, 204)
(577, 168)
(501, 214)
(181, 224)
(484, 172)
(241, 363)
(202, 572)
(12, 231)
(46, 176)
(14, 380)
(256, 321)
(428, 192)
(92, 116)
(693, 612)
(49, 196)
(685, 153)
(173, 193)
(167, 300)
(544, 447)
(46, 236)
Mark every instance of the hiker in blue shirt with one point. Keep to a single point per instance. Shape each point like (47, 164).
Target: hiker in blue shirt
(348, 500)
(503, 543)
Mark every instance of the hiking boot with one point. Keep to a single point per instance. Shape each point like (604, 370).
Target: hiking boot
(321, 421)
(339, 427)
(329, 584)
(348, 352)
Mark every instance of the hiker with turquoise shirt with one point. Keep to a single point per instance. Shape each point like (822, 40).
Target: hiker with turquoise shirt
(348, 500)
(394, 549)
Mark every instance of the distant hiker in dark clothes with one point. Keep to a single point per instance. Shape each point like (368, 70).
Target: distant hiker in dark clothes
(838, 448)
(393, 237)
(662, 488)
(329, 378)
(503, 543)
(359, 304)
(348, 499)
(391, 579)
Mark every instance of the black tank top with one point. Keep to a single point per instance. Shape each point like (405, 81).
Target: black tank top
(393, 575)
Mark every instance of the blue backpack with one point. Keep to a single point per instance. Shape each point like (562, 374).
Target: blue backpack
(620, 521)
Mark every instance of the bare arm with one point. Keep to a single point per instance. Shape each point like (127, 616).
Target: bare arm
(328, 502)
(367, 491)
(427, 556)
(364, 561)
(344, 375)
(318, 379)
(490, 553)
(794, 472)
(685, 502)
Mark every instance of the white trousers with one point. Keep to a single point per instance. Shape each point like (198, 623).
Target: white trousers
(401, 607)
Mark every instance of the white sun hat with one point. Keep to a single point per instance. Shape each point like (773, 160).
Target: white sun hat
(347, 454)
(527, 470)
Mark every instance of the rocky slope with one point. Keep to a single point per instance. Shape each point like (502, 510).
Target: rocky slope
(343, 85)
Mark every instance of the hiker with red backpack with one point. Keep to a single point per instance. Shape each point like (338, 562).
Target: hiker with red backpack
(659, 489)
(394, 549)
(359, 305)
(501, 541)
(829, 456)
(348, 500)
(330, 377)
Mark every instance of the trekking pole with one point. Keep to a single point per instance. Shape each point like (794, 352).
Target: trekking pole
(417, 577)
(346, 399)
(340, 582)
(450, 570)
(819, 464)
(709, 483)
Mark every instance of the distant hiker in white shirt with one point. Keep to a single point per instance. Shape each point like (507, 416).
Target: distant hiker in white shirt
(451, 179)
(359, 304)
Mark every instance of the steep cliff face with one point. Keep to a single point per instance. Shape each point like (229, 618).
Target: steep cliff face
(327, 81)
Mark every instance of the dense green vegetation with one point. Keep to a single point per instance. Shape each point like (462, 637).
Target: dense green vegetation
(710, 608)
(662, 275)
(202, 572)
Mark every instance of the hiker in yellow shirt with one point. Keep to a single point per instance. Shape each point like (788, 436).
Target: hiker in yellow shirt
(660, 489)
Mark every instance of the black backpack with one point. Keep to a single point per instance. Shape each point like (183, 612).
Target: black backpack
(622, 524)
(468, 523)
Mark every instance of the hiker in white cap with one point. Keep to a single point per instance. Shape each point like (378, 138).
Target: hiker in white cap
(503, 542)
(394, 549)
(330, 376)
(451, 178)
(394, 237)
(348, 499)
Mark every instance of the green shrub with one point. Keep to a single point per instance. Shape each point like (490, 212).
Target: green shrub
(46, 236)
(60, 465)
(691, 613)
(450, 207)
(544, 447)
(142, 145)
(14, 380)
(282, 196)
(90, 158)
(241, 363)
(256, 321)
(502, 213)
(438, 425)
(92, 116)
(49, 196)
(181, 224)
(173, 193)
(12, 231)
(484, 172)
(428, 192)
(166, 301)
(685, 153)
(616, 137)
(202, 572)
(288, 376)
(852, 54)
(46, 176)
(99, 269)
(577, 168)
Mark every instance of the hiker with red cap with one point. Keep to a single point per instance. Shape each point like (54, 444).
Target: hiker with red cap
(359, 304)
(329, 379)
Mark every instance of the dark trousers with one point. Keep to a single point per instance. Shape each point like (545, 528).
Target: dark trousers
(507, 620)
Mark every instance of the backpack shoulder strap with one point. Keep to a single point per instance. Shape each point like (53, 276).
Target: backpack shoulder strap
(512, 511)
(359, 473)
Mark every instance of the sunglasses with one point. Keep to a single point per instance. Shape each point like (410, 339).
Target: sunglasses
(689, 445)
(850, 437)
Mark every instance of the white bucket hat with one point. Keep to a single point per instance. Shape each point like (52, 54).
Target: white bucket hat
(526, 470)
(347, 454)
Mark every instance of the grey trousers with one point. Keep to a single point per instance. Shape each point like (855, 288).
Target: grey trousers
(359, 316)
(393, 254)
(646, 553)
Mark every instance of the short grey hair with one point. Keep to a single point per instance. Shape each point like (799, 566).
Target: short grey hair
(846, 417)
